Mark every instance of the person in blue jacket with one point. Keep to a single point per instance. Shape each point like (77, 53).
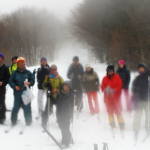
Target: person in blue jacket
(75, 73)
(16, 82)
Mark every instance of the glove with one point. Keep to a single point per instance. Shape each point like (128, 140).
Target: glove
(107, 90)
(79, 77)
(112, 91)
(72, 76)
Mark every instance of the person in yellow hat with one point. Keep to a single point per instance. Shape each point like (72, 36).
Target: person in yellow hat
(16, 82)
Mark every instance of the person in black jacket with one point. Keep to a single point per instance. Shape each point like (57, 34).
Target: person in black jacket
(140, 92)
(75, 73)
(42, 72)
(65, 103)
(4, 77)
(124, 74)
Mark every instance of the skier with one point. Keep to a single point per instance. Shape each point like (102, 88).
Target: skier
(13, 66)
(140, 92)
(65, 103)
(53, 82)
(4, 77)
(124, 74)
(111, 86)
(16, 82)
(91, 85)
(75, 73)
(43, 71)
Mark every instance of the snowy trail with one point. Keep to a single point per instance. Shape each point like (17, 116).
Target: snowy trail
(85, 133)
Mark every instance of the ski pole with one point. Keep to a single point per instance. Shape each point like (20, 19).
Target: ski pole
(48, 110)
(73, 117)
(148, 104)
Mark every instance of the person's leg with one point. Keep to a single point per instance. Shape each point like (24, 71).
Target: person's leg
(118, 112)
(40, 99)
(128, 99)
(111, 120)
(89, 95)
(16, 107)
(64, 125)
(79, 99)
(95, 97)
(2, 104)
(147, 115)
(27, 113)
(138, 116)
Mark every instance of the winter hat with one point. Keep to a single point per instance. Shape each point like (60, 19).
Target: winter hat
(43, 58)
(2, 56)
(87, 66)
(76, 58)
(15, 57)
(20, 59)
(121, 62)
(110, 67)
(142, 65)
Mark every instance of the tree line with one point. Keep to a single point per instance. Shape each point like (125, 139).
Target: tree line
(114, 30)
(31, 33)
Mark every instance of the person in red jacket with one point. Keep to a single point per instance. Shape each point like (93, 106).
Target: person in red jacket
(111, 86)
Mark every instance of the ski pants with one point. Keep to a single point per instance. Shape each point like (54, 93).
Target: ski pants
(128, 99)
(141, 105)
(64, 125)
(2, 103)
(115, 107)
(93, 96)
(26, 108)
(79, 102)
(41, 93)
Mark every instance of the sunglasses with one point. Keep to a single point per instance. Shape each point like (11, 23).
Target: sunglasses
(53, 69)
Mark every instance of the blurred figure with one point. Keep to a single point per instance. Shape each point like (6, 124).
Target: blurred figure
(4, 77)
(13, 66)
(42, 72)
(16, 82)
(140, 92)
(53, 83)
(111, 86)
(65, 103)
(75, 73)
(91, 86)
(124, 74)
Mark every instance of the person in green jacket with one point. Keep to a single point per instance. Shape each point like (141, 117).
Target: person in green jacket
(52, 83)
(13, 67)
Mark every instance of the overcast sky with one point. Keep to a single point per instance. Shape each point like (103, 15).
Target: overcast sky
(59, 7)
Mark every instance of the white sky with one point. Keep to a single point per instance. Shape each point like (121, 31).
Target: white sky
(59, 7)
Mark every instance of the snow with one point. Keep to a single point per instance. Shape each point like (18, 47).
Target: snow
(85, 134)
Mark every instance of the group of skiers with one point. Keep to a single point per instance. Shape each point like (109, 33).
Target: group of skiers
(61, 93)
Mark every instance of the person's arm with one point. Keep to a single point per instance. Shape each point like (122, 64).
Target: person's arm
(31, 79)
(38, 75)
(6, 77)
(81, 70)
(97, 80)
(11, 80)
(45, 81)
(128, 78)
(69, 72)
(103, 86)
(134, 86)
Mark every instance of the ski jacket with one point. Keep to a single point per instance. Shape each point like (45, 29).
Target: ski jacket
(140, 86)
(41, 74)
(124, 74)
(90, 81)
(17, 79)
(4, 75)
(75, 74)
(12, 68)
(55, 82)
(65, 103)
(114, 83)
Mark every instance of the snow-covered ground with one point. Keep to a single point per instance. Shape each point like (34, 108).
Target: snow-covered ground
(85, 133)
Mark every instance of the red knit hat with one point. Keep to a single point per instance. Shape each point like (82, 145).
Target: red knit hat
(121, 62)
